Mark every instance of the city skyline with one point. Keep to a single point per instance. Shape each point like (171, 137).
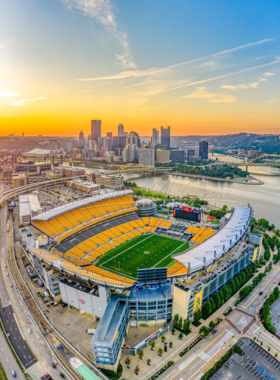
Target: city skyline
(200, 68)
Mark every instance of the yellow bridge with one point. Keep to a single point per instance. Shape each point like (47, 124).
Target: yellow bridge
(137, 168)
(254, 163)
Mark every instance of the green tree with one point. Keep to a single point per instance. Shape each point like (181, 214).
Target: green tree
(152, 344)
(213, 305)
(204, 330)
(197, 317)
(160, 351)
(206, 310)
(211, 325)
(181, 336)
(170, 344)
(127, 361)
(140, 354)
(137, 369)
(172, 330)
(186, 325)
(217, 300)
(149, 361)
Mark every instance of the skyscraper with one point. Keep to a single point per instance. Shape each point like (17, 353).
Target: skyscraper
(203, 150)
(155, 137)
(134, 138)
(81, 138)
(120, 129)
(109, 134)
(95, 129)
(165, 136)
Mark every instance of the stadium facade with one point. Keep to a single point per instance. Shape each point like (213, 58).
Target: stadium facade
(93, 243)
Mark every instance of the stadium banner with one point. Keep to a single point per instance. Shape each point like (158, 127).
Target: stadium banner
(188, 209)
(197, 301)
(255, 255)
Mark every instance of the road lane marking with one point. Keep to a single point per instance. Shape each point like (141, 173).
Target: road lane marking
(263, 288)
(197, 355)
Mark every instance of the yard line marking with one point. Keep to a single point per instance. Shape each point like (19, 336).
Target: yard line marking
(141, 241)
(169, 254)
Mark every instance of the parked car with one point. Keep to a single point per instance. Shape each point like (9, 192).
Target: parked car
(61, 375)
(14, 374)
(53, 365)
(48, 376)
(261, 293)
(64, 304)
(214, 331)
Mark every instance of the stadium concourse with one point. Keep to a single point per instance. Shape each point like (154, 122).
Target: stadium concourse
(103, 259)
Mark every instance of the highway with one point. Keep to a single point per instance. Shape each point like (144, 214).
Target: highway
(8, 361)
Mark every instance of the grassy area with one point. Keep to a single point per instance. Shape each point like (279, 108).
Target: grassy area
(145, 251)
(3, 375)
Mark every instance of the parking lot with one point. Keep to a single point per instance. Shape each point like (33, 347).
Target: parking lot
(256, 363)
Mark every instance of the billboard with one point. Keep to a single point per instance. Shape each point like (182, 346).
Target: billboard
(193, 215)
(198, 301)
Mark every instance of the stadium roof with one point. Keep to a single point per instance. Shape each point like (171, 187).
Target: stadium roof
(217, 245)
(80, 203)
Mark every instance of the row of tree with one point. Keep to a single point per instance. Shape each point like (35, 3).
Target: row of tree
(219, 298)
(265, 312)
(219, 213)
(266, 250)
(215, 172)
(262, 224)
(180, 324)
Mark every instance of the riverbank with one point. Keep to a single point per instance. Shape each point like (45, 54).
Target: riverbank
(242, 181)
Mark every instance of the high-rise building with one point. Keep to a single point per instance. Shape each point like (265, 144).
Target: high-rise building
(134, 138)
(165, 137)
(120, 129)
(130, 153)
(155, 137)
(109, 134)
(146, 156)
(177, 155)
(107, 144)
(81, 138)
(203, 150)
(95, 129)
(190, 153)
(163, 156)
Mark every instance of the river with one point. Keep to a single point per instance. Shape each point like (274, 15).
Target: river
(265, 199)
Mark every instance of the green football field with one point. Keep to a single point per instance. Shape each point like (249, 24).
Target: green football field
(144, 251)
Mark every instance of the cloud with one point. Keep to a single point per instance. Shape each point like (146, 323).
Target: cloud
(201, 93)
(27, 102)
(271, 101)
(102, 11)
(262, 79)
(7, 94)
(168, 69)
(235, 87)
(267, 74)
(254, 84)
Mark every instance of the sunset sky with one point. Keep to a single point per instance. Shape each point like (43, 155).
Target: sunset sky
(202, 67)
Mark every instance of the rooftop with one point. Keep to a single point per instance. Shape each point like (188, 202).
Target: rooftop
(80, 203)
(111, 320)
(217, 245)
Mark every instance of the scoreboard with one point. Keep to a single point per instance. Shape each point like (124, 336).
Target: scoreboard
(188, 213)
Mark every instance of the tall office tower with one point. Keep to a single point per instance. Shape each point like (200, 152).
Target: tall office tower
(165, 137)
(147, 156)
(134, 139)
(81, 138)
(130, 153)
(203, 150)
(120, 129)
(107, 144)
(89, 138)
(155, 137)
(109, 134)
(95, 129)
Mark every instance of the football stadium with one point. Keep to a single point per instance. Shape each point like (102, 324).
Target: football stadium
(104, 259)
